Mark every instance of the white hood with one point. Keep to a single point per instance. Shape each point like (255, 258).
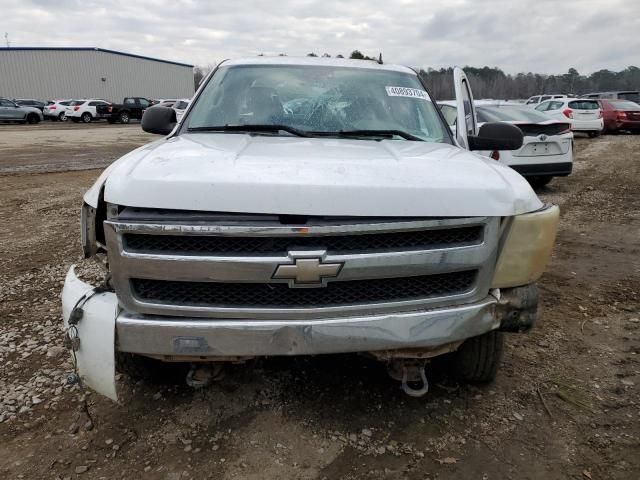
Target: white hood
(313, 176)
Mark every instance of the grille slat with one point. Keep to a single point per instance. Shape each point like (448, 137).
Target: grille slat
(275, 295)
(220, 245)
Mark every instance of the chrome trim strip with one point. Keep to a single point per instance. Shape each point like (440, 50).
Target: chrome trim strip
(211, 338)
(288, 231)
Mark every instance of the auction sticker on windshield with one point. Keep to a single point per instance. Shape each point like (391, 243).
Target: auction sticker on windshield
(407, 92)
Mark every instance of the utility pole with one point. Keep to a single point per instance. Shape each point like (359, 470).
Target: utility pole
(6, 39)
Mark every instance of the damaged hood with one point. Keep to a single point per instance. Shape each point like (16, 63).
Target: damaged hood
(313, 176)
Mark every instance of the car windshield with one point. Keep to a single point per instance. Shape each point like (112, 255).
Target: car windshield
(510, 113)
(624, 105)
(77, 102)
(318, 100)
(632, 96)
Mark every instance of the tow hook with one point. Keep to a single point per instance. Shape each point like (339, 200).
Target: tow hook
(202, 375)
(410, 371)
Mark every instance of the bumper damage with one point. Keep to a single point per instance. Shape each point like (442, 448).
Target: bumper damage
(198, 339)
(96, 331)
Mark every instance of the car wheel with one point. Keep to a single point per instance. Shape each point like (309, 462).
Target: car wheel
(86, 117)
(33, 118)
(124, 117)
(62, 117)
(593, 134)
(478, 358)
(537, 182)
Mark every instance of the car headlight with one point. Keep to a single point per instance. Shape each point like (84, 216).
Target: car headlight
(527, 248)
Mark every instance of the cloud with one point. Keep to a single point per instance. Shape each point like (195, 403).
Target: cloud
(545, 37)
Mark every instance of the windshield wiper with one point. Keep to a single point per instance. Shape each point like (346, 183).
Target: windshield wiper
(370, 133)
(266, 128)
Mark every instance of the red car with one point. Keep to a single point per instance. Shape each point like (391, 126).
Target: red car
(620, 115)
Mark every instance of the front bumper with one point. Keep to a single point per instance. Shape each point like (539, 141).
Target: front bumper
(199, 337)
(180, 337)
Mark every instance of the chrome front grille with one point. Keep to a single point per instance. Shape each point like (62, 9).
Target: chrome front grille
(279, 295)
(226, 269)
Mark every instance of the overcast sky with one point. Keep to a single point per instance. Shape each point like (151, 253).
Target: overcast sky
(544, 36)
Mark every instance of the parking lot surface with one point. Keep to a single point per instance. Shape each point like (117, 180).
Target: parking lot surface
(565, 404)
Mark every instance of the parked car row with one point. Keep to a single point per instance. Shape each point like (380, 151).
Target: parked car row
(83, 110)
(548, 128)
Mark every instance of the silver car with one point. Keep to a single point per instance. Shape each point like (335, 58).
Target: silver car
(12, 112)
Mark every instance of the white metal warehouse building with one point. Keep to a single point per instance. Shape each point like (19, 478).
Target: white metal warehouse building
(48, 73)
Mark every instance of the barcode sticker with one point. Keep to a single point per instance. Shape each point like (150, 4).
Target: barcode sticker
(407, 92)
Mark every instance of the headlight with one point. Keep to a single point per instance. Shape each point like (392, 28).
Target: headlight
(88, 230)
(527, 248)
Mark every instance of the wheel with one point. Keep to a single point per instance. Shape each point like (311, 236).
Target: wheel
(593, 134)
(86, 117)
(62, 117)
(32, 118)
(537, 182)
(139, 367)
(478, 358)
(124, 117)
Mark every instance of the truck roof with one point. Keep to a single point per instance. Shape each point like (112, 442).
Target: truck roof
(329, 62)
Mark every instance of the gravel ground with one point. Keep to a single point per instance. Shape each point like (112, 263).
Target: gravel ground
(565, 404)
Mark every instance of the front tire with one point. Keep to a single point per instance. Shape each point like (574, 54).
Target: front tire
(478, 358)
(62, 117)
(32, 119)
(537, 182)
(86, 117)
(124, 117)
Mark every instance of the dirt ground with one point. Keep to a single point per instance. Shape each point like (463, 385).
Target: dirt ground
(566, 403)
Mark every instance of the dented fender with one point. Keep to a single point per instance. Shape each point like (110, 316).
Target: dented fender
(96, 331)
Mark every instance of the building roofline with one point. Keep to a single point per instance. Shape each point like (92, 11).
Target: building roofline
(96, 49)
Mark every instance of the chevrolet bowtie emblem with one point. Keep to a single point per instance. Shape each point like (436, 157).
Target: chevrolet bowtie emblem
(307, 270)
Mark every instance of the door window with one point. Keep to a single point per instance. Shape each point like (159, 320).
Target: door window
(546, 97)
(533, 100)
(543, 107)
(468, 111)
(144, 103)
(6, 103)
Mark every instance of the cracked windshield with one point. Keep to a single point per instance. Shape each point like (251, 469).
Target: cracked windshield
(318, 101)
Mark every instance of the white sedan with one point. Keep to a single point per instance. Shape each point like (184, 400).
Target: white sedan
(547, 149)
(583, 115)
(180, 106)
(84, 110)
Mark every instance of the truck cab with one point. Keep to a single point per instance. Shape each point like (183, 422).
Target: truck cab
(307, 207)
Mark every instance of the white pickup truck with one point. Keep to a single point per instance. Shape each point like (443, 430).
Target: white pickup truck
(305, 207)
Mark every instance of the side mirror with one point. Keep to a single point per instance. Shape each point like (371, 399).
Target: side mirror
(496, 136)
(158, 119)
